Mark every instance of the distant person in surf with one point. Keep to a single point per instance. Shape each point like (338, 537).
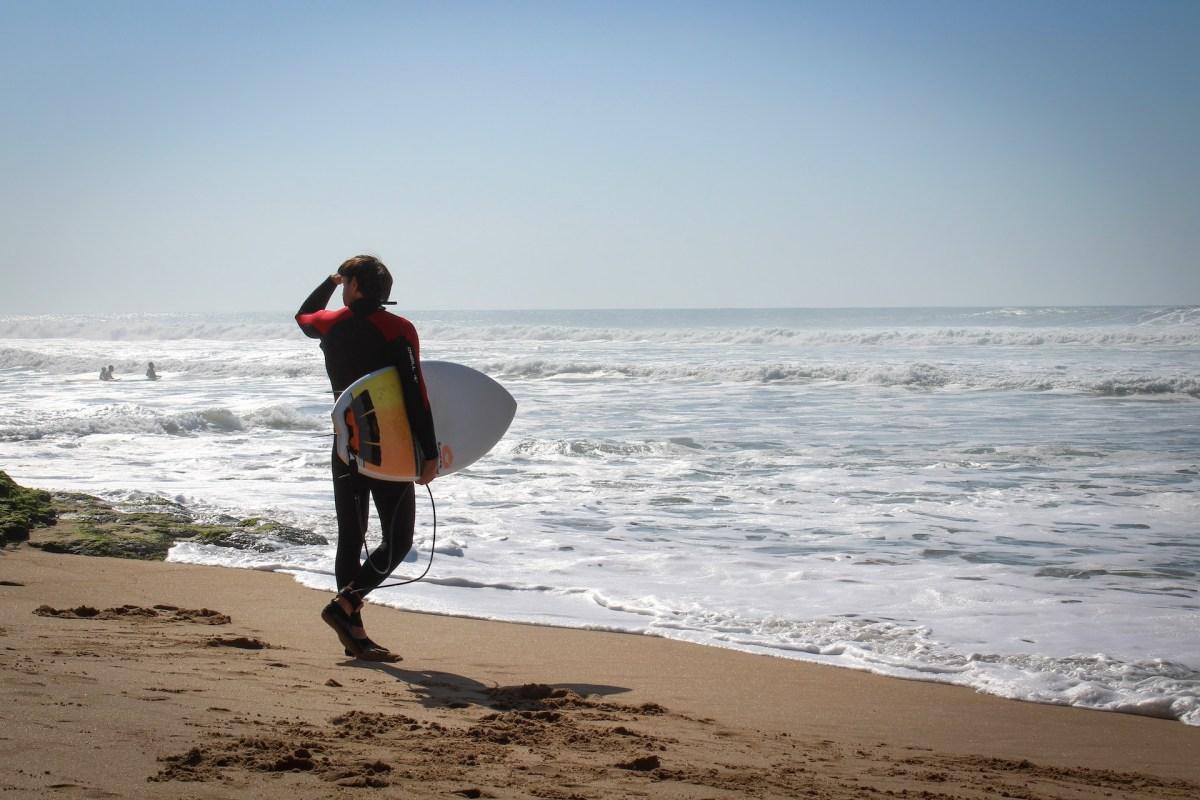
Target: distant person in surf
(357, 339)
(151, 375)
(104, 374)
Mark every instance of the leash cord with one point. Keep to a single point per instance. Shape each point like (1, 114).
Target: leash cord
(432, 546)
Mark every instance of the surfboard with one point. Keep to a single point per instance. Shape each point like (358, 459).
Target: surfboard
(471, 412)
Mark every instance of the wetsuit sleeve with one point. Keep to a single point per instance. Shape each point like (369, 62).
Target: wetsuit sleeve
(406, 354)
(310, 313)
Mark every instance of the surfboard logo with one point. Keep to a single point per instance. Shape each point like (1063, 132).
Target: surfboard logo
(446, 457)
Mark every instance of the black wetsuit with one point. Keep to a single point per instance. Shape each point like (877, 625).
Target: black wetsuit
(357, 340)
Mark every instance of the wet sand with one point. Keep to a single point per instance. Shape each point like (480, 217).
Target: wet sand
(140, 679)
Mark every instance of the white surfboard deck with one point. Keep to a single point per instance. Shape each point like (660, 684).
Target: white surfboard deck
(471, 412)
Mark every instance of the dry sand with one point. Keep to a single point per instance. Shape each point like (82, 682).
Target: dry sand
(118, 681)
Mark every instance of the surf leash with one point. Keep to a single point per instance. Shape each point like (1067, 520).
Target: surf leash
(432, 546)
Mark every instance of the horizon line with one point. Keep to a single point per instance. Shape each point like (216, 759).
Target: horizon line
(598, 309)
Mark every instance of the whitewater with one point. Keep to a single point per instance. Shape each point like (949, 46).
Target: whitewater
(1003, 498)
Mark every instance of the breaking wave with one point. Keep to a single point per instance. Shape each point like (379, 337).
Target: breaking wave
(915, 375)
(134, 419)
(150, 327)
(67, 362)
(919, 375)
(942, 337)
(601, 448)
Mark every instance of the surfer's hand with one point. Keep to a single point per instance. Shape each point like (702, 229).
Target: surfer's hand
(336, 278)
(428, 472)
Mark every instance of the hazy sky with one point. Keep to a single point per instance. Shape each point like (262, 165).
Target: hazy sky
(191, 156)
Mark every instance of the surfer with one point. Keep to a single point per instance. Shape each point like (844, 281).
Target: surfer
(151, 375)
(357, 339)
(104, 375)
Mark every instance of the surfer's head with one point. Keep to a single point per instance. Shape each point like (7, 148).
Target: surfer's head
(368, 277)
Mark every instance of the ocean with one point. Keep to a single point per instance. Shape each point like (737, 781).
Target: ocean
(1004, 498)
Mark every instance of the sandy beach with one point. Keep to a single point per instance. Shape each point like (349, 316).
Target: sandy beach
(139, 679)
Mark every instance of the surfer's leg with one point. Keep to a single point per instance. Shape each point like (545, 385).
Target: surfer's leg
(394, 501)
(350, 503)
(350, 499)
(397, 512)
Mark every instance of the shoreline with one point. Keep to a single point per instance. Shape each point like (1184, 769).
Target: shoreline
(83, 524)
(138, 699)
(761, 652)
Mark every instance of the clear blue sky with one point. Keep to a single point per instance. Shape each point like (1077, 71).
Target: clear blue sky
(191, 156)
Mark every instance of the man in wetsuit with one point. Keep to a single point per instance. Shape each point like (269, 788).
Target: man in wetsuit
(357, 339)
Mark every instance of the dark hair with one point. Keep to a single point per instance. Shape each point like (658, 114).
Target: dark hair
(374, 280)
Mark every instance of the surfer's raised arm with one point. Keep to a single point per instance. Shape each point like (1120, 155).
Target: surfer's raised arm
(314, 303)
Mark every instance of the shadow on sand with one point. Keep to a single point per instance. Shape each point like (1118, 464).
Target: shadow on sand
(448, 690)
